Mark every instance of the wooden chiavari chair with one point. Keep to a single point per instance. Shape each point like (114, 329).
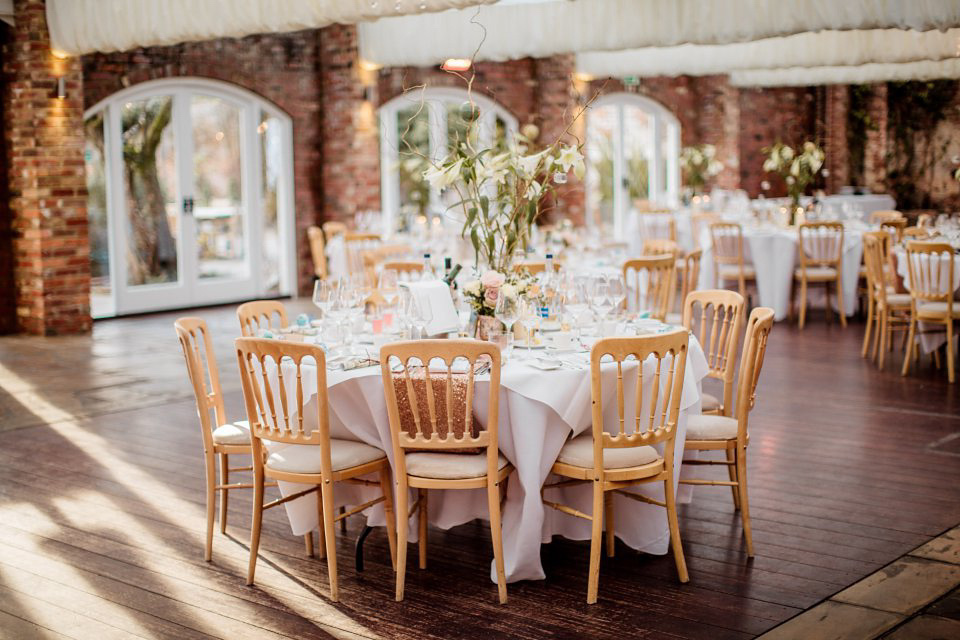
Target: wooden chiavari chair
(447, 462)
(728, 259)
(221, 438)
(261, 314)
(878, 217)
(887, 310)
(690, 273)
(715, 317)
(915, 233)
(729, 434)
(317, 252)
(406, 269)
(894, 227)
(931, 273)
(312, 456)
(658, 274)
(615, 460)
(820, 249)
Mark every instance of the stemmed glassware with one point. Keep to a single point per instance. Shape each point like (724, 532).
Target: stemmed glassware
(575, 303)
(420, 314)
(508, 311)
(324, 295)
(530, 317)
(600, 299)
(617, 290)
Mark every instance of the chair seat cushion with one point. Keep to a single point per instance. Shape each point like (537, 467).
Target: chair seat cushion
(450, 466)
(305, 458)
(578, 452)
(711, 428)
(732, 272)
(898, 299)
(817, 273)
(233, 433)
(709, 402)
(937, 309)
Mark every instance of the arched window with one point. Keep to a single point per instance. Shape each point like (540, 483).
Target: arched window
(632, 149)
(418, 127)
(190, 197)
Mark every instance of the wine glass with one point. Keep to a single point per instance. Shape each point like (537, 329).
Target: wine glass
(600, 297)
(530, 317)
(617, 290)
(508, 311)
(388, 286)
(420, 315)
(575, 303)
(323, 296)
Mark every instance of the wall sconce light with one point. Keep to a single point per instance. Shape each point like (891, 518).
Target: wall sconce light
(456, 64)
(61, 87)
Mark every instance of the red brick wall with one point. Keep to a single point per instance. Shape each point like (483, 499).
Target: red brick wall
(835, 143)
(8, 289)
(46, 181)
(283, 69)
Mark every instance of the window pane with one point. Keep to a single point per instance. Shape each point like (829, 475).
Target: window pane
(413, 140)
(460, 119)
(638, 152)
(150, 189)
(271, 150)
(218, 204)
(601, 129)
(101, 300)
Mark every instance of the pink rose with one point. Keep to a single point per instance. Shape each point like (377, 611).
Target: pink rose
(493, 279)
(490, 295)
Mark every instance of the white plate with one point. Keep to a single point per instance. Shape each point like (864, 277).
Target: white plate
(545, 364)
(531, 347)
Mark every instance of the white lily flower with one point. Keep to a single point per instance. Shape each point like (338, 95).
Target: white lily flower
(534, 190)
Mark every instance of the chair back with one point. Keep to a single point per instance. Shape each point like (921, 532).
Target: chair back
(654, 400)
(691, 273)
(727, 238)
(317, 251)
(406, 269)
(821, 244)
(533, 267)
(879, 217)
(657, 225)
(202, 370)
(715, 317)
(429, 387)
(356, 245)
(873, 260)
(660, 246)
(333, 228)
(658, 273)
(759, 325)
(930, 267)
(894, 227)
(261, 314)
(915, 233)
(271, 372)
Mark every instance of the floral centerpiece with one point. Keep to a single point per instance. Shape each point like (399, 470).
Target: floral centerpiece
(501, 193)
(483, 293)
(797, 168)
(699, 163)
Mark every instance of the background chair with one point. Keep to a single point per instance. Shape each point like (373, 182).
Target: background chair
(820, 249)
(878, 217)
(261, 314)
(652, 282)
(614, 462)
(659, 225)
(318, 252)
(729, 434)
(931, 269)
(312, 457)
(419, 383)
(728, 258)
(886, 309)
(715, 317)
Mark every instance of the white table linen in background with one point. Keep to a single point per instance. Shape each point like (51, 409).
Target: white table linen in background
(931, 341)
(538, 412)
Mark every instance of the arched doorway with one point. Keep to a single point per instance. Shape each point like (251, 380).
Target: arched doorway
(190, 197)
(632, 149)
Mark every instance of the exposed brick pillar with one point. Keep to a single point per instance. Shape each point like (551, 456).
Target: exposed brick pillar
(350, 138)
(718, 123)
(556, 106)
(875, 152)
(835, 138)
(47, 183)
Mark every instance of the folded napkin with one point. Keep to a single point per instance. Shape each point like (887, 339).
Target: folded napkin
(435, 296)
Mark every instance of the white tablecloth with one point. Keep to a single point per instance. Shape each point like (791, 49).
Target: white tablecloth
(773, 253)
(538, 412)
(931, 341)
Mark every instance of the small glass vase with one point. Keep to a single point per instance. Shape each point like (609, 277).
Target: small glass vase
(488, 326)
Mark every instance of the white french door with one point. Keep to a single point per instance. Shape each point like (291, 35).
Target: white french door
(198, 198)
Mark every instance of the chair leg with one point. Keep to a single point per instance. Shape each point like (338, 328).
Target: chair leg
(321, 534)
(330, 534)
(732, 473)
(828, 308)
(403, 526)
(343, 522)
(910, 345)
(593, 580)
(803, 303)
(670, 498)
(883, 335)
(744, 504)
(608, 522)
(951, 377)
(255, 526)
(866, 332)
(224, 480)
(211, 503)
(389, 515)
(840, 308)
(422, 519)
(308, 544)
(878, 321)
(496, 535)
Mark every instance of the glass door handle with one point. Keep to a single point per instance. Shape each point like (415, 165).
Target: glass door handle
(188, 206)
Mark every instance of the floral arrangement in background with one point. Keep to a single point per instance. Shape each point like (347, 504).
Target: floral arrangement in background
(699, 163)
(798, 168)
(501, 192)
(482, 294)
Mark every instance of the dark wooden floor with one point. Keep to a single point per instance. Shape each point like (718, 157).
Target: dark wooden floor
(101, 510)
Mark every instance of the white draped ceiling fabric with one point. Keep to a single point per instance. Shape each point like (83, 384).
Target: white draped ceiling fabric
(85, 26)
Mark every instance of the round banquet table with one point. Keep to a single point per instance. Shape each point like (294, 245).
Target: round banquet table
(773, 253)
(931, 341)
(539, 410)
